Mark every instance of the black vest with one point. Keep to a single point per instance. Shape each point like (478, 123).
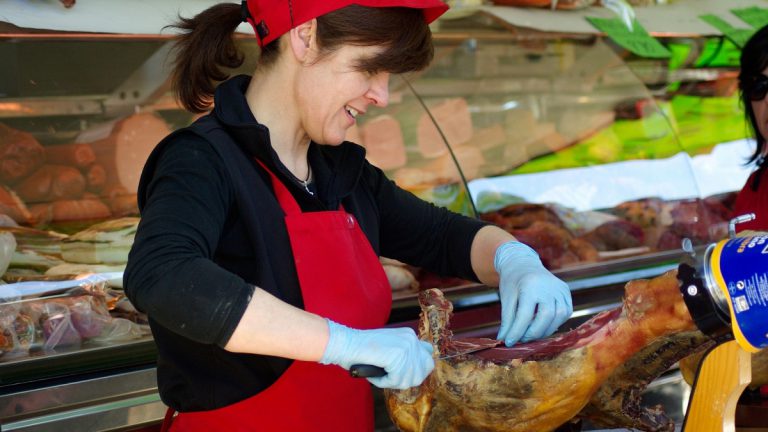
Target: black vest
(246, 249)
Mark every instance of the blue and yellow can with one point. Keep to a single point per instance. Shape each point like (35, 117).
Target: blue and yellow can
(736, 276)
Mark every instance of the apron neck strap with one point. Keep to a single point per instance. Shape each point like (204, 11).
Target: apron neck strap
(287, 201)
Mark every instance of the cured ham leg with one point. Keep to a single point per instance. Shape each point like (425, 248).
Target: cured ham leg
(616, 404)
(539, 385)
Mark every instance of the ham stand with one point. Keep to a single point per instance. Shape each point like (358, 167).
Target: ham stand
(726, 369)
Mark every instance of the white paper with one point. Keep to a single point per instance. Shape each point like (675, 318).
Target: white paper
(605, 186)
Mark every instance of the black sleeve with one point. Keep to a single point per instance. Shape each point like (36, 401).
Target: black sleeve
(171, 274)
(421, 234)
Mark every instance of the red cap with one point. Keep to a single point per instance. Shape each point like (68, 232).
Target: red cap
(273, 18)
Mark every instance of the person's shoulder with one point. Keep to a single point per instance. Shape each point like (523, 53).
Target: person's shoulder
(186, 139)
(195, 135)
(186, 146)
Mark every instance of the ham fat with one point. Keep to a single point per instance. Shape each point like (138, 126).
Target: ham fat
(540, 385)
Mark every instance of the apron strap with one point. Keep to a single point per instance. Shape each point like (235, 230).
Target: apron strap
(167, 420)
(284, 197)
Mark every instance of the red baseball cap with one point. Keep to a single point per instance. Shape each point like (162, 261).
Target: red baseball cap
(273, 18)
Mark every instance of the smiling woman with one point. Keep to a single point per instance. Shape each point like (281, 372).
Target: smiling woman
(334, 91)
(403, 43)
(257, 256)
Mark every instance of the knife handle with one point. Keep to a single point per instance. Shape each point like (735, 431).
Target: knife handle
(366, 371)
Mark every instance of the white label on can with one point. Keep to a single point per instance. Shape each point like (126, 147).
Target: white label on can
(740, 304)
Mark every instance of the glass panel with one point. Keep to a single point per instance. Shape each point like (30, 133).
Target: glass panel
(588, 154)
(78, 118)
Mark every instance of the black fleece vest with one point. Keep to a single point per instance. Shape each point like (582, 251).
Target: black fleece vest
(249, 181)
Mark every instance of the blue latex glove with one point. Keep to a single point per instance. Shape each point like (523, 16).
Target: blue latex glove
(534, 303)
(407, 360)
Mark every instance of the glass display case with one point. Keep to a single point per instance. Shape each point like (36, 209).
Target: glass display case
(598, 159)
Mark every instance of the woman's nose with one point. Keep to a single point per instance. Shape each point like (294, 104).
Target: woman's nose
(378, 93)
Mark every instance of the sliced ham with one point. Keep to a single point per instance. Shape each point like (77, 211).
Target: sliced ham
(470, 159)
(123, 148)
(528, 137)
(399, 276)
(442, 170)
(354, 135)
(383, 140)
(455, 121)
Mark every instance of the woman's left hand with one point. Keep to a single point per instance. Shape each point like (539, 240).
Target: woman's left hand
(534, 302)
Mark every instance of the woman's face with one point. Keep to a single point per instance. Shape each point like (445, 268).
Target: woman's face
(332, 93)
(760, 108)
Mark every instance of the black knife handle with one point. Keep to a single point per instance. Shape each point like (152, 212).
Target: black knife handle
(366, 371)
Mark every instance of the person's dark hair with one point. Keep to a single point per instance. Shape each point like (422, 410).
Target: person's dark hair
(206, 46)
(754, 60)
(402, 31)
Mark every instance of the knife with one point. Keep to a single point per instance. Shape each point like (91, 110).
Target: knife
(371, 371)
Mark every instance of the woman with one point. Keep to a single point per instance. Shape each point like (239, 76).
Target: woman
(753, 83)
(256, 258)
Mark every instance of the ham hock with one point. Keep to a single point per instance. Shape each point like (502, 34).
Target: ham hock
(596, 370)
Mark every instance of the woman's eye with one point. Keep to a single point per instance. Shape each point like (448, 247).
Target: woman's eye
(366, 71)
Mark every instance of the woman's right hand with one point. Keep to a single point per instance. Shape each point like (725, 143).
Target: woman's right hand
(407, 360)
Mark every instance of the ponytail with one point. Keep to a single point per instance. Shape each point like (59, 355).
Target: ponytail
(205, 46)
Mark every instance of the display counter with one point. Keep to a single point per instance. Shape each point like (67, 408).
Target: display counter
(585, 152)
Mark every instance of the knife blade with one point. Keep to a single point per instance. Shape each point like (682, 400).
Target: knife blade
(371, 371)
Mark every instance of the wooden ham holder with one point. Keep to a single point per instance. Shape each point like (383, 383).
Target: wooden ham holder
(722, 377)
(726, 369)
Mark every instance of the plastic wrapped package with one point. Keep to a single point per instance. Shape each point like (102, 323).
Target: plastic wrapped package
(7, 247)
(44, 317)
(58, 328)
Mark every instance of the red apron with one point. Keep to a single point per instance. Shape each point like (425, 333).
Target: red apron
(341, 279)
(750, 201)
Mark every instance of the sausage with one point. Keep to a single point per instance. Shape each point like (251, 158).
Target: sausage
(96, 178)
(84, 209)
(20, 154)
(52, 182)
(12, 206)
(76, 155)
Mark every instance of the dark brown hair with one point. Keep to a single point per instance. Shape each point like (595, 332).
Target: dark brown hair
(207, 46)
(402, 31)
(754, 60)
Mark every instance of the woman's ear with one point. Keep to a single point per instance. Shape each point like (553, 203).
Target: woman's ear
(302, 39)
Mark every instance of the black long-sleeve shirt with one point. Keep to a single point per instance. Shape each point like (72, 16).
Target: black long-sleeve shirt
(211, 230)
